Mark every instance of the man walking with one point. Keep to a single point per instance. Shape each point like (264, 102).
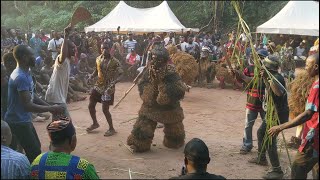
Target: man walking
(109, 72)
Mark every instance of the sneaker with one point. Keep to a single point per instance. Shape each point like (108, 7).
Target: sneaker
(244, 150)
(274, 174)
(261, 162)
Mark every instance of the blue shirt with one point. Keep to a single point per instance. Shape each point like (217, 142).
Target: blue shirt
(14, 165)
(19, 81)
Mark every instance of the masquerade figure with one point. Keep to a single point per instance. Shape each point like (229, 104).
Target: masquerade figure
(160, 89)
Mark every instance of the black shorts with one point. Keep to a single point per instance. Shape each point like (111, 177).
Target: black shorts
(96, 97)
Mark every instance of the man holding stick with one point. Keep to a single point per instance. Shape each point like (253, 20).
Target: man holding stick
(308, 154)
(109, 72)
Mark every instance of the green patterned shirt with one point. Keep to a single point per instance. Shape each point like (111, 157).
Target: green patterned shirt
(58, 165)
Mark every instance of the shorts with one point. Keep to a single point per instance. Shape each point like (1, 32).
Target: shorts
(96, 97)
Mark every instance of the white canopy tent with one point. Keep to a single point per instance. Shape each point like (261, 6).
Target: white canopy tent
(297, 17)
(155, 19)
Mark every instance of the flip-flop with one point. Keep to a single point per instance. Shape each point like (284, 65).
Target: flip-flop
(92, 127)
(109, 133)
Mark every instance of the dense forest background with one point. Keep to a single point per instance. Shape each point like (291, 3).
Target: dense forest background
(55, 15)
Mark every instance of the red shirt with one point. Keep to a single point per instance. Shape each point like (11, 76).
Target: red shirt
(311, 127)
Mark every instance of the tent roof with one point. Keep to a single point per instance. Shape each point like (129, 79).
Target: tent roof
(297, 17)
(155, 19)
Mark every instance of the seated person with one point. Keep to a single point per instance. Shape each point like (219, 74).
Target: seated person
(196, 159)
(59, 163)
(46, 71)
(300, 51)
(132, 63)
(14, 165)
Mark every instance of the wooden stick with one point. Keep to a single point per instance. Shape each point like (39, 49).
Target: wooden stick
(130, 174)
(132, 159)
(127, 147)
(129, 120)
(133, 172)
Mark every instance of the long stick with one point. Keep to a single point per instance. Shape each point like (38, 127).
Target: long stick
(134, 172)
(135, 81)
(130, 174)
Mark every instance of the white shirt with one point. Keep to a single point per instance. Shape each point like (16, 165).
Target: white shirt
(299, 51)
(243, 37)
(166, 41)
(53, 44)
(59, 82)
(183, 46)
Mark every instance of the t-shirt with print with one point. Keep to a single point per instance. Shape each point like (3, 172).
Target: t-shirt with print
(59, 165)
(133, 59)
(59, 82)
(19, 81)
(310, 131)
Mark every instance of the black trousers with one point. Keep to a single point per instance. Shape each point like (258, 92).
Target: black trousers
(26, 135)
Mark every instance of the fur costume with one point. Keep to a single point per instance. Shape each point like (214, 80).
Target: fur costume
(224, 76)
(208, 71)
(299, 91)
(185, 64)
(160, 104)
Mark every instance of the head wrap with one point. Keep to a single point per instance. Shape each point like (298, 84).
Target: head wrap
(61, 129)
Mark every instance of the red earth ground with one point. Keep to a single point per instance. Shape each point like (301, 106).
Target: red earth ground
(213, 115)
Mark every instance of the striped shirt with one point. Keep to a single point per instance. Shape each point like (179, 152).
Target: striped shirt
(14, 165)
(129, 45)
(254, 94)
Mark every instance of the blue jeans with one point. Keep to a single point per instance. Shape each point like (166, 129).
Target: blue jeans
(251, 117)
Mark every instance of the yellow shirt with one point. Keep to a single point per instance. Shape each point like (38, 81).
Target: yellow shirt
(108, 70)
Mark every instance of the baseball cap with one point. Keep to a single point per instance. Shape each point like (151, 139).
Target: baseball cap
(271, 62)
(130, 33)
(197, 151)
(263, 52)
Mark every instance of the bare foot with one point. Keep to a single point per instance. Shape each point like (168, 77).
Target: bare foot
(92, 127)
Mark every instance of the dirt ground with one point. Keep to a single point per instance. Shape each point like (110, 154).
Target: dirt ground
(214, 115)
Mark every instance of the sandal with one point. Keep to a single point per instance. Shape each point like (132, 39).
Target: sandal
(110, 133)
(92, 127)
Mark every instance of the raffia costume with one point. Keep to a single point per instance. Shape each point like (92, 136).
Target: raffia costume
(185, 64)
(160, 105)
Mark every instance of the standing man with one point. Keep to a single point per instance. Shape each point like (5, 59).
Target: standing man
(22, 101)
(109, 72)
(54, 45)
(170, 37)
(308, 154)
(278, 93)
(59, 82)
(254, 102)
(36, 43)
(129, 43)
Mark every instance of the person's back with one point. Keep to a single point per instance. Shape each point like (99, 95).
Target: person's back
(14, 165)
(60, 165)
(58, 86)
(196, 159)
